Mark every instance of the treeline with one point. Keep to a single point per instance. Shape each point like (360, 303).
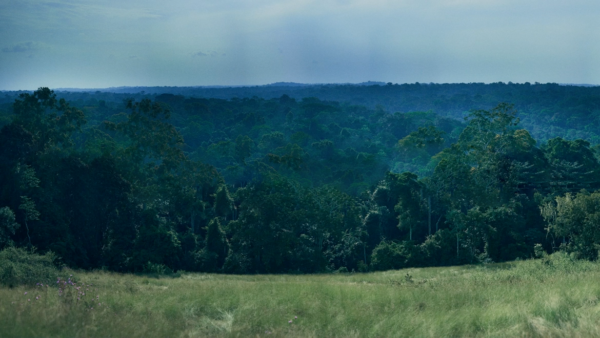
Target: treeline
(546, 110)
(280, 185)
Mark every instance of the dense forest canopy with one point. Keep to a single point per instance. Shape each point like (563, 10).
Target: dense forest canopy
(546, 110)
(319, 183)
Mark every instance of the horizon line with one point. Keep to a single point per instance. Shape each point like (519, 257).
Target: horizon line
(295, 84)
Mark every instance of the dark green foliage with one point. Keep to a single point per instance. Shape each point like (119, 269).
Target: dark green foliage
(283, 226)
(8, 225)
(212, 256)
(51, 122)
(284, 185)
(155, 243)
(575, 217)
(392, 255)
(397, 210)
(440, 249)
(574, 165)
(420, 145)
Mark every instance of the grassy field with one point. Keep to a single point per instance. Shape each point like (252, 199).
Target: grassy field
(551, 297)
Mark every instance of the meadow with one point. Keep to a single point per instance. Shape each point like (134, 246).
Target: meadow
(555, 296)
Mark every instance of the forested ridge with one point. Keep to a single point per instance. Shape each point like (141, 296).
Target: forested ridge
(271, 185)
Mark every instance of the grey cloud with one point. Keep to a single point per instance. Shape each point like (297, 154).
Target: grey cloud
(24, 47)
(58, 5)
(211, 54)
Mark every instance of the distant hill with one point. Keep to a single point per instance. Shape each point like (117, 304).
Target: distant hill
(176, 89)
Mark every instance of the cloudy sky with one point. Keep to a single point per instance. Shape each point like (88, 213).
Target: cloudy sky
(98, 44)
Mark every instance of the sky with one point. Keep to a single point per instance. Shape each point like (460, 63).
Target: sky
(111, 43)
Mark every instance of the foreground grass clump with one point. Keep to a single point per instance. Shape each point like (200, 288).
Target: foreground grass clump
(551, 297)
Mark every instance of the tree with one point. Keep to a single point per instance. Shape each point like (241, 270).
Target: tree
(8, 225)
(283, 226)
(399, 196)
(243, 148)
(30, 213)
(427, 140)
(215, 247)
(573, 164)
(51, 122)
(477, 179)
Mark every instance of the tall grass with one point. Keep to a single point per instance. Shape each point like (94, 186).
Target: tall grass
(551, 297)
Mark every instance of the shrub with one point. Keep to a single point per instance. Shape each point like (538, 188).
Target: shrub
(576, 218)
(392, 255)
(439, 249)
(157, 269)
(18, 267)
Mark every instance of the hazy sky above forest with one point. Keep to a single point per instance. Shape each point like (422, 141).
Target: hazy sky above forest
(97, 44)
